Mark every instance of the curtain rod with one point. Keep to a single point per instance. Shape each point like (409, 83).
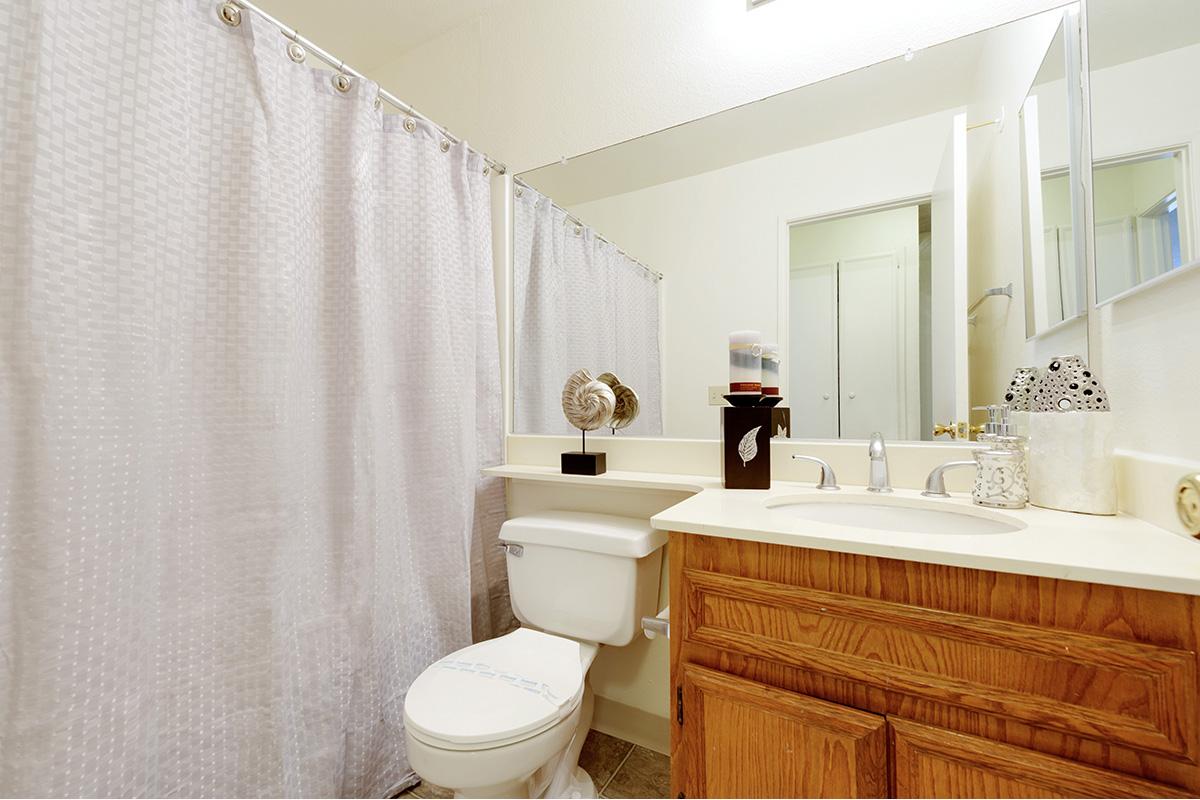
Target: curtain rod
(583, 224)
(340, 66)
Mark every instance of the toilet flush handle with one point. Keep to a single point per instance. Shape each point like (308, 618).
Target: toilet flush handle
(658, 626)
(514, 550)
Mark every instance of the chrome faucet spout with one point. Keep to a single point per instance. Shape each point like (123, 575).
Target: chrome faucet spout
(935, 484)
(828, 481)
(877, 451)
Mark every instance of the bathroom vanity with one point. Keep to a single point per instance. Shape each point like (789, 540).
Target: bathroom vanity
(802, 672)
(937, 649)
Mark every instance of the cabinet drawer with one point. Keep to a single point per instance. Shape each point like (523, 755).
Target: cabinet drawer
(1097, 687)
(931, 762)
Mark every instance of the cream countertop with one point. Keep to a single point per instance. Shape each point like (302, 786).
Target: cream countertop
(1119, 551)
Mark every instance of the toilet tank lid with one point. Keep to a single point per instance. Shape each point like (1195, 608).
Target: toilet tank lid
(594, 533)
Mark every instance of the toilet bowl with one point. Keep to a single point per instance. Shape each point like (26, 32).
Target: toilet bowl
(507, 717)
(499, 718)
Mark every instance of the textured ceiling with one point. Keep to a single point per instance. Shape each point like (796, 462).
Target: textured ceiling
(371, 33)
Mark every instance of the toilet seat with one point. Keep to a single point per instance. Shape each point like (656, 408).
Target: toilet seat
(497, 692)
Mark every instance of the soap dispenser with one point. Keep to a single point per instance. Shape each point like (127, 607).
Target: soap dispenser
(990, 428)
(1001, 474)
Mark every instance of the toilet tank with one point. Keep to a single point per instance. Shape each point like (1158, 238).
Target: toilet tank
(585, 576)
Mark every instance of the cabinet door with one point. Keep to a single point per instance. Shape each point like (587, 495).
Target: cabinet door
(739, 738)
(933, 762)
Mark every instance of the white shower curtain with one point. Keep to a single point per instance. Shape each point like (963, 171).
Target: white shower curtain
(579, 303)
(248, 376)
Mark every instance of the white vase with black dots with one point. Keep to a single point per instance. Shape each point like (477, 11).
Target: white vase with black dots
(1071, 464)
(1019, 397)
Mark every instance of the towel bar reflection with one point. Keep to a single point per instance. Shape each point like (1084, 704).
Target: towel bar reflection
(996, 291)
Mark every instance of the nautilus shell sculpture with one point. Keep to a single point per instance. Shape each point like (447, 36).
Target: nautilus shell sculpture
(587, 403)
(626, 410)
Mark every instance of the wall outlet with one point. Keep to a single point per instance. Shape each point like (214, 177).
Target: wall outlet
(716, 395)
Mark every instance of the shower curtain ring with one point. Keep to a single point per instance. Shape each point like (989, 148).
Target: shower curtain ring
(230, 14)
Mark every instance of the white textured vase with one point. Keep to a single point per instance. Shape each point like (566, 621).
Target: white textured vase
(1071, 465)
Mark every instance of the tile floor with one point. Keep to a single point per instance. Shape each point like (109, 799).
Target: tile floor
(619, 769)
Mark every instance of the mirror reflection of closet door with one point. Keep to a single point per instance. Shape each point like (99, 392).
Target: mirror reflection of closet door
(871, 347)
(813, 339)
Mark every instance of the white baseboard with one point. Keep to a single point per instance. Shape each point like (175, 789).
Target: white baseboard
(632, 724)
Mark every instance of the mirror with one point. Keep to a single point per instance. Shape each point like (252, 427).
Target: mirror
(1143, 58)
(869, 225)
(1055, 284)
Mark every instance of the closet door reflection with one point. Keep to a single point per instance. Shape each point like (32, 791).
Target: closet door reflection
(848, 331)
(854, 324)
(871, 347)
(814, 341)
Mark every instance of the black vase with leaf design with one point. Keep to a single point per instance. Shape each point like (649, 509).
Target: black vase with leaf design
(746, 447)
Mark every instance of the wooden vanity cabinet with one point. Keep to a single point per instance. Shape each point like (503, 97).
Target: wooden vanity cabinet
(805, 673)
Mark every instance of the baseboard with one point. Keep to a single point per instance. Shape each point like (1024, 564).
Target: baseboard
(632, 724)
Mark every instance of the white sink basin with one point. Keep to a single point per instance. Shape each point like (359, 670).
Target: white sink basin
(888, 513)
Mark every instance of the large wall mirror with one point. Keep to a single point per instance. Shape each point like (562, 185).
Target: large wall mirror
(1143, 61)
(871, 225)
(1055, 280)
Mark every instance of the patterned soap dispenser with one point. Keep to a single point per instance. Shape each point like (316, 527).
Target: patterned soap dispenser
(1001, 474)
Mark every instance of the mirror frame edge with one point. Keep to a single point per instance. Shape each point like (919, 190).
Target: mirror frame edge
(1081, 162)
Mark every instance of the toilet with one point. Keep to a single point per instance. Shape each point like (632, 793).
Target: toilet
(507, 717)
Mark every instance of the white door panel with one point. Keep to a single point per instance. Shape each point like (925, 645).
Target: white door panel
(871, 343)
(812, 333)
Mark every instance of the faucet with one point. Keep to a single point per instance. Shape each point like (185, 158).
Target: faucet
(879, 465)
(935, 484)
(828, 481)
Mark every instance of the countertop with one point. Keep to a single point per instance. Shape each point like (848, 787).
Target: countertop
(1118, 550)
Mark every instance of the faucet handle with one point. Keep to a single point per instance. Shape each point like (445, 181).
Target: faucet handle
(828, 481)
(877, 448)
(935, 484)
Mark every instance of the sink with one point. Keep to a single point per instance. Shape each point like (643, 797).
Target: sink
(899, 514)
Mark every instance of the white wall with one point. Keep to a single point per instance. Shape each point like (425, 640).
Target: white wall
(716, 239)
(890, 231)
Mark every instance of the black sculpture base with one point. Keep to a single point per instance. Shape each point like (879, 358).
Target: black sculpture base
(578, 463)
(746, 447)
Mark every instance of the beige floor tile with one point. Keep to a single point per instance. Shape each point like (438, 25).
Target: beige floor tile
(645, 773)
(427, 791)
(618, 768)
(601, 756)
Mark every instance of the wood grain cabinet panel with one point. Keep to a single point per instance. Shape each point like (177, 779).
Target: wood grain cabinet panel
(1000, 684)
(1125, 692)
(931, 762)
(744, 739)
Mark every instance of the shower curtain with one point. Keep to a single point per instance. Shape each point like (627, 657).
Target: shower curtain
(248, 377)
(578, 303)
